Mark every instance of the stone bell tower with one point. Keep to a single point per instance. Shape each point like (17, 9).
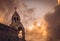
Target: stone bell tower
(16, 23)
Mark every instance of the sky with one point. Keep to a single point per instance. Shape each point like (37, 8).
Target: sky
(41, 5)
(29, 10)
(31, 13)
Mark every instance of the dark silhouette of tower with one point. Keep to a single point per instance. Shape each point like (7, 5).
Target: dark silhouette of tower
(16, 23)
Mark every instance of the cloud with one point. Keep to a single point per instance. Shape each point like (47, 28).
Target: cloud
(6, 6)
(7, 9)
(53, 27)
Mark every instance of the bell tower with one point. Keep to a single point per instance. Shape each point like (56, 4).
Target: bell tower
(15, 18)
(16, 23)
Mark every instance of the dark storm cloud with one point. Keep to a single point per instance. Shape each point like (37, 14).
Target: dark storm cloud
(53, 28)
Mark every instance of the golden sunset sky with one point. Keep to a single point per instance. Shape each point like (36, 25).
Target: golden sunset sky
(32, 16)
(58, 1)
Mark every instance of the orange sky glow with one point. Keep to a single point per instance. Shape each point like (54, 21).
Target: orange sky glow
(1, 19)
(58, 1)
(37, 30)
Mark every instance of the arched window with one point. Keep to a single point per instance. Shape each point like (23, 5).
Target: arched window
(20, 34)
(16, 19)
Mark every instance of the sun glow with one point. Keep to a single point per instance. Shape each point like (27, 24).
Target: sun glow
(58, 1)
(34, 25)
(1, 19)
(44, 26)
(38, 24)
(31, 27)
(43, 29)
(40, 29)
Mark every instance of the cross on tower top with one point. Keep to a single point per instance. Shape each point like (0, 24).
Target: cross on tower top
(15, 8)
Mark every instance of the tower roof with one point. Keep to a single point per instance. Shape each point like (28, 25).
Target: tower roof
(15, 16)
(15, 13)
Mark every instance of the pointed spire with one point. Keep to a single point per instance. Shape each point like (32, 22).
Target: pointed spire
(15, 17)
(15, 13)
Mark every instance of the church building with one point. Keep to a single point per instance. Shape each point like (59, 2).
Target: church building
(10, 33)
